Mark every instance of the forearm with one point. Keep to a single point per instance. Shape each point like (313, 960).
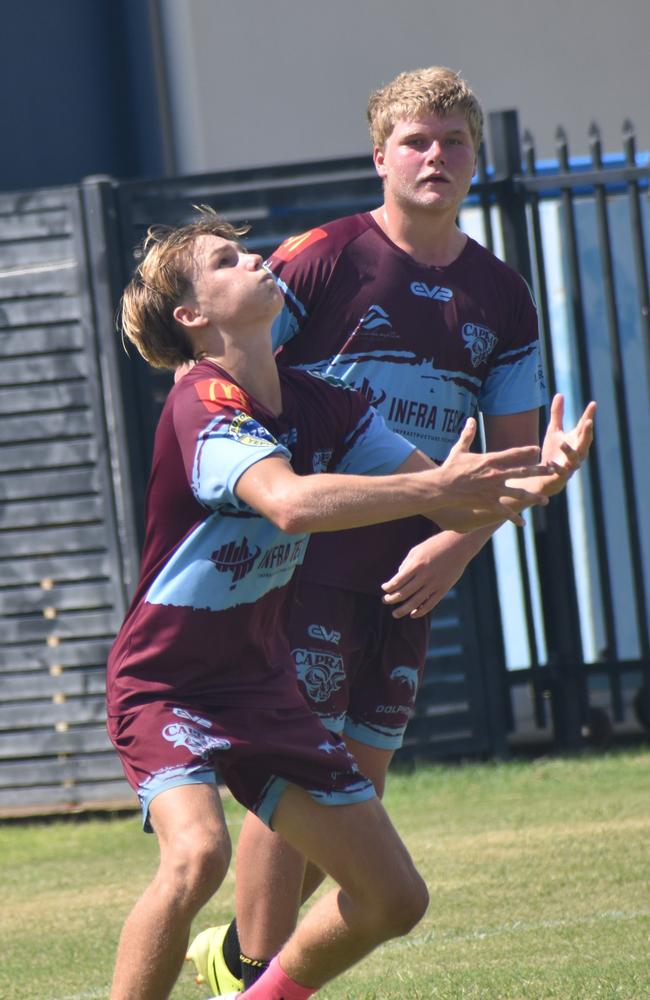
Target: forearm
(469, 543)
(331, 502)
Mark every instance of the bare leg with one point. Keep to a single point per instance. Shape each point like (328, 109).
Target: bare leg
(272, 881)
(374, 763)
(381, 895)
(194, 857)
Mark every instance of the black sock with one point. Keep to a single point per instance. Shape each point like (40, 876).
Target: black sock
(251, 969)
(231, 949)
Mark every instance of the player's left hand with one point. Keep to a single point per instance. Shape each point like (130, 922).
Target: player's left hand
(566, 451)
(425, 575)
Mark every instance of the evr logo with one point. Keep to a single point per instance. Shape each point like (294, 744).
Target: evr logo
(437, 292)
(327, 635)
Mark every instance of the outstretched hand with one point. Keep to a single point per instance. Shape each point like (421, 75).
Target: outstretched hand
(481, 480)
(564, 451)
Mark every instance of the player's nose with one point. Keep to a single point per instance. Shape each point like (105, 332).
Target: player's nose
(254, 261)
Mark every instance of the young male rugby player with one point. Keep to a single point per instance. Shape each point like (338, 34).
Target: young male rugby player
(247, 462)
(431, 327)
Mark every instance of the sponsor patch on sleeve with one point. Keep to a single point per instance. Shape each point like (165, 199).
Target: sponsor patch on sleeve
(246, 430)
(296, 244)
(215, 393)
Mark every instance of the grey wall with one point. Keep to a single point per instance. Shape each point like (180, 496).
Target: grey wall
(271, 81)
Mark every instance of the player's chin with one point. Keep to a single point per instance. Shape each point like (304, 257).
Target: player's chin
(434, 199)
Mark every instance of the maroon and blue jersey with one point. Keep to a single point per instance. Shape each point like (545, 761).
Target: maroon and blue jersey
(207, 621)
(427, 346)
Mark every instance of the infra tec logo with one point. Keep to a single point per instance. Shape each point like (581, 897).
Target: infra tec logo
(236, 558)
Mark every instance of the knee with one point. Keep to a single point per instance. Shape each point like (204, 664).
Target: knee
(412, 906)
(402, 906)
(197, 862)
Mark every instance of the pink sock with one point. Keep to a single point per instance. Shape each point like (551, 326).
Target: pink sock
(275, 985)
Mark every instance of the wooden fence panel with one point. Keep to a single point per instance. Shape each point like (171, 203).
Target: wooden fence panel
(62, 594)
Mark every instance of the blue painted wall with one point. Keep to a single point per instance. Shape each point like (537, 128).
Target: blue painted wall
(78, 92)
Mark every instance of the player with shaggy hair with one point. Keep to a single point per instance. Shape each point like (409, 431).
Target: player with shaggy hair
(430, 326)
(248, 461)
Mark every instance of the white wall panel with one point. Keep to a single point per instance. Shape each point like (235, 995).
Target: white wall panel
(273, 81)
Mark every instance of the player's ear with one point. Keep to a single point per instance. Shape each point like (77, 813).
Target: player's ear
(378, 159)
(189, 317)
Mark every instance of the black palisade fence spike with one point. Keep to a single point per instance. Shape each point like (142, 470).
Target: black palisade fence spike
(528, 151)
(629, 142)
(595, 146)
(562, 146)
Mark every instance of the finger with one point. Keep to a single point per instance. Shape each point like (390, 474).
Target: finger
(428, 605)
(585, 424)
(556, 417)
(467, 435)
(586, 419)
(515, 517)
(419, 604)
(500, 511)
(394, 597)
(572, 455)
(401, 579)
(589, 412)
(414, 601)
(526, 496)
(407, 590)
(528, 471)
(585, 438)
(526, 455)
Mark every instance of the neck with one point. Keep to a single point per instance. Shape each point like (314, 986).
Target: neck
(430, 238)
(254, 369)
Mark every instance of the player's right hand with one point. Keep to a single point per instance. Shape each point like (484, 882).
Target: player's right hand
(481, 481)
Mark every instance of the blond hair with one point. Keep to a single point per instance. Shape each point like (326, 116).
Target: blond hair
(161, 281)
(433, 90)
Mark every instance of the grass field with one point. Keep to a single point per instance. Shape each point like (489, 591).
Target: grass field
(539, 875)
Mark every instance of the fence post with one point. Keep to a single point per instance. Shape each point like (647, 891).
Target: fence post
(565, 677)
(103, 253)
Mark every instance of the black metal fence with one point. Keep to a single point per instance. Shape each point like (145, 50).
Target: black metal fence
(594, 593)
(78, 422)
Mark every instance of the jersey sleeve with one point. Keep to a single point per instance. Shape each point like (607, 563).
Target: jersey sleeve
(516, 382)
(301, 267)
(219, 440)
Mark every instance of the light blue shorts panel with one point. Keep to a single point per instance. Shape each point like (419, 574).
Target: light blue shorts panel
(361, 792)
(372, 736)
(174, 778)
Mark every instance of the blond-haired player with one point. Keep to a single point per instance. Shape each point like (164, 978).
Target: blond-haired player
(431, 327)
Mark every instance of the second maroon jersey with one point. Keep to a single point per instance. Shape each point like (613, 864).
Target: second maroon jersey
(427, 346)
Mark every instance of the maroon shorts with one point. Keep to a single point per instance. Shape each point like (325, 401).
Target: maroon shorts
(256, 752)
(358, 667)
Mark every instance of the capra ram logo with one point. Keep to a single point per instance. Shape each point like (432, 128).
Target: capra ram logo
(479, 341)
(322, 673)
(197, 742)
